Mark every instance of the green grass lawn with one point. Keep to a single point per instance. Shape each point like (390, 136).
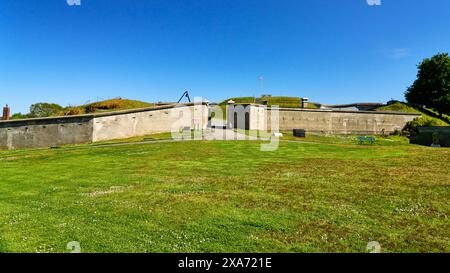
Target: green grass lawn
(388, 140)
(217, 196)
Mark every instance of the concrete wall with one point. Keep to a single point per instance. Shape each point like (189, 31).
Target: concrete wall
(45, 132)
(342, 122)
(323, 121)
(125, 124)
(425, 136)
(248, 116)
(258, 119)
(55, 131)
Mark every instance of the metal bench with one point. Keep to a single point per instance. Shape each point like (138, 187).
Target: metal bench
(363, 139)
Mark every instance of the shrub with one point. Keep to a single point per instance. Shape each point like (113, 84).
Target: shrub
(74, 111)
(90, 108)
(102, 105)
(43, 109)
(396, 133)
(411, 128)
(20, 116)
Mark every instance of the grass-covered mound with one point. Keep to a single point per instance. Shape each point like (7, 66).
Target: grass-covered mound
(398, 106)
(106, 105)
(53, 110)
(429, 117)
(281, 101)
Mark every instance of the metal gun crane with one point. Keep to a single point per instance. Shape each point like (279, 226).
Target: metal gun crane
(185, 94)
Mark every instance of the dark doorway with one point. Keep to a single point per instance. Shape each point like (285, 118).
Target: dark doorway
(247, 121)
(238, 125)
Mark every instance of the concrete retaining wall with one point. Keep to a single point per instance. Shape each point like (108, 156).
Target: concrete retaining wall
(325, 121)
(342, 122)
(45, 132)
(149, 121)
(425, 136)
(55, 131)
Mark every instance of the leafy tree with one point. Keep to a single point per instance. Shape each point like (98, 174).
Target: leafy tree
(44, 109)
(19, 116)
(432, 86)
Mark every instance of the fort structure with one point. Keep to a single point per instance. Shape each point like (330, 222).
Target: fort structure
(327, 121)
(78, 129)
(88, 128)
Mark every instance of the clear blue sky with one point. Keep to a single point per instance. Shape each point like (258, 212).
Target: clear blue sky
(152, 50)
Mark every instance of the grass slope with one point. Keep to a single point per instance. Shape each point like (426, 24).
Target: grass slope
(283, 102)
(95, 107)
(403, 107)
(225, 197)
(398, 106)
(106, 105)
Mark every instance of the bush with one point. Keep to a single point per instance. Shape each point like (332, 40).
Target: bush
(74, 111)
(396, 133)
(44, 109)
(393, 102)
(103, 105)
(20, 116)
(411, 128)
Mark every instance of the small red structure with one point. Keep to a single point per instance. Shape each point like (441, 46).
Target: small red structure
(6, 113)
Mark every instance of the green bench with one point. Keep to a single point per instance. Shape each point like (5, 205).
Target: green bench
(363, 139)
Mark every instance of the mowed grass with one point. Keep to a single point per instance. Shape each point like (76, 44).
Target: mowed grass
(218, 196)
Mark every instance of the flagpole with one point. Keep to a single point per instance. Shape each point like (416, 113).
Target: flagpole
(261, 84)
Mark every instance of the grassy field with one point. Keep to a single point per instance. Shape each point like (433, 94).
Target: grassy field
(324, 195)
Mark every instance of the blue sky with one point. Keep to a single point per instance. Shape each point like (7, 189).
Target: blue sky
(152, 50)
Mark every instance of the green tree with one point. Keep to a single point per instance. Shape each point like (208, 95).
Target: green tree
(44, 109)
(19, 116)
(432, 86)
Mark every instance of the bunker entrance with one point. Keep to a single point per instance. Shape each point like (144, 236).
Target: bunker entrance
(246, 121)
